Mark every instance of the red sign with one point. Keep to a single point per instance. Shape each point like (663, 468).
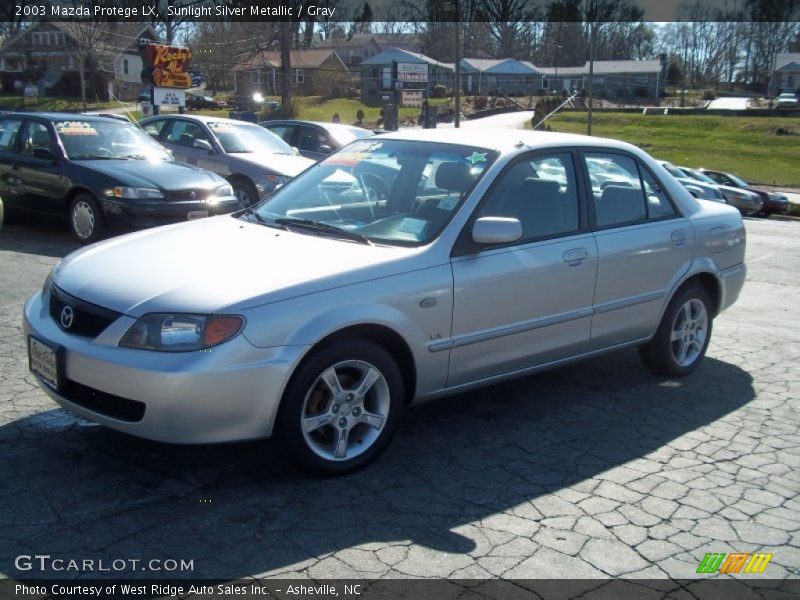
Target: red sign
(168, 64)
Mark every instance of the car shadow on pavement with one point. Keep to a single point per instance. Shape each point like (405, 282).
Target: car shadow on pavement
(40, 236)
(75, 490)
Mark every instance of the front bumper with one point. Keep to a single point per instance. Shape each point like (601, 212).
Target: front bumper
(775, 206)
(227, 393)
(151, 213)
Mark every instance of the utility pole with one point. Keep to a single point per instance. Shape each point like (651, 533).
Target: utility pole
(591, 77)
(457, 91)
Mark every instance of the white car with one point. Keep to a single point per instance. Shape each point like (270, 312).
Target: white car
(786, 99)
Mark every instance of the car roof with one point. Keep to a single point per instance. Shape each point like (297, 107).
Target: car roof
(64, 116)
(507, 140)
(201, 118)
(323, 124)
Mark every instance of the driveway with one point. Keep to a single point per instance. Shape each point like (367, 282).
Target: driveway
(593, 470)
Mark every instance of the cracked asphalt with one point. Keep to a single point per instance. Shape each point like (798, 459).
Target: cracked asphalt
(593, 470)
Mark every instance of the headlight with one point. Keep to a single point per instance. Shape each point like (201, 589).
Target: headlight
(133, 192)
(224, 191)
(181, 332)
(48, 282)
(277, 179)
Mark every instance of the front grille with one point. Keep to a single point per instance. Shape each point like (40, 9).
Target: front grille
(102, 403)
(88, 319)
(187, 195)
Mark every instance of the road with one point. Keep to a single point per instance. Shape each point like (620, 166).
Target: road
(593, 470)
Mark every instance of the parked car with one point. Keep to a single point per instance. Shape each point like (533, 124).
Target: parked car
(254, 160)
(144, 96)
(786, 100)
(370, 303)
(772, 202)
(749, 203)
(100, 173)
(698, 189)
(203, 103)
(315, 139)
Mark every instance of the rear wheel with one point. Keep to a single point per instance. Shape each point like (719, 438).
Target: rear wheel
(342, 407)
(86, 219)
(683, 335)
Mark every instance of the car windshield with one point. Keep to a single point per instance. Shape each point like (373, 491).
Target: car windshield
(107, 139)
(385, 191)
(737, 181)
(672, 170)
(698, 175)
(240, 138)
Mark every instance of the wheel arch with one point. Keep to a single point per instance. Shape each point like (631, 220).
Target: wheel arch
(384, 336)
(709, 282)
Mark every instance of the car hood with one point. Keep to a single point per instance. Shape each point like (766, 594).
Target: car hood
(165, 175)
(220, 264)
(283, 164)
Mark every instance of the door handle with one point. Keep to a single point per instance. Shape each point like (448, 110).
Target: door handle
(678, 237)
(575, 256)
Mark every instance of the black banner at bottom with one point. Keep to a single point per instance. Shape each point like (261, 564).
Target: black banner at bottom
(400, 589)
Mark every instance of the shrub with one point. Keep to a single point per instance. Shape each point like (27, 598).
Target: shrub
(709, 95)
(439, 91)
(480, 102)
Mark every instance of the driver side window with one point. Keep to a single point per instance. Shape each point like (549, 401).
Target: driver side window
(540, 192)
(35, 135)
(184, 133)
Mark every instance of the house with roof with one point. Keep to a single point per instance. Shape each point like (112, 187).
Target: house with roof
(313, 72)
(355, 49)
(786, 75)
(396, 69)
(611, 79)
(511, 76)
(47, 56)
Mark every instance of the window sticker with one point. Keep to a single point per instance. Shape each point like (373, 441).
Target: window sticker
(475, 158)
(354, 154)
(75, 128)
(217, 127)
(412, 226)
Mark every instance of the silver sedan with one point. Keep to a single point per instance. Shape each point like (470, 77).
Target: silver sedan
(469, 264)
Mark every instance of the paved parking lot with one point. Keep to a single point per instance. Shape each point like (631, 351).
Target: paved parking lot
(591, 470)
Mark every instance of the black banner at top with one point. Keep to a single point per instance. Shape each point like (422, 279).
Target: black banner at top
(384, 11)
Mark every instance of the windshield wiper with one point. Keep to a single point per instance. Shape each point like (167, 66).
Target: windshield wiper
(251, 211)
(324, 228)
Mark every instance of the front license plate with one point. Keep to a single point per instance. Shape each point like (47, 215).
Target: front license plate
(44, 362)
(196, 214)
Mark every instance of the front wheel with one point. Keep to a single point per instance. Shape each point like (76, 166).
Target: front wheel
(342, 407)
(86, 219)
(245, 192)
(683, 335)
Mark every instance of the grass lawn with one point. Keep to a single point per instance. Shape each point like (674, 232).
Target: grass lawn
(763, 150)
(52, 104)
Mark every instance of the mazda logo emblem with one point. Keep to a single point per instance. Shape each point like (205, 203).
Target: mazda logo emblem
(67, 317)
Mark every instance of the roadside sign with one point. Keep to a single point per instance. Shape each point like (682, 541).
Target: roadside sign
(412, 98)
(412, 72)
(169, 97)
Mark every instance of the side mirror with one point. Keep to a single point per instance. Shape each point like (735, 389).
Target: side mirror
(43, 153)
(296, 150)
(496, 230)
(203, 145)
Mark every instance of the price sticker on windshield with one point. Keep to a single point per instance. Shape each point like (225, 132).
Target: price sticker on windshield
(75, 128)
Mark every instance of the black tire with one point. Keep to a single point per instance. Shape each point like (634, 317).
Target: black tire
(659, 355)
(306, 388)
(245, 191)
(86, 219)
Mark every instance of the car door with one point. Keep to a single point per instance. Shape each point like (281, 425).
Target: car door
(41, 178)
(11, 190)
(645, 245)
(529, 302)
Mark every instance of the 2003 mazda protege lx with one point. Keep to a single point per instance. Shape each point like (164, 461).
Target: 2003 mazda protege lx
(401, 268)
